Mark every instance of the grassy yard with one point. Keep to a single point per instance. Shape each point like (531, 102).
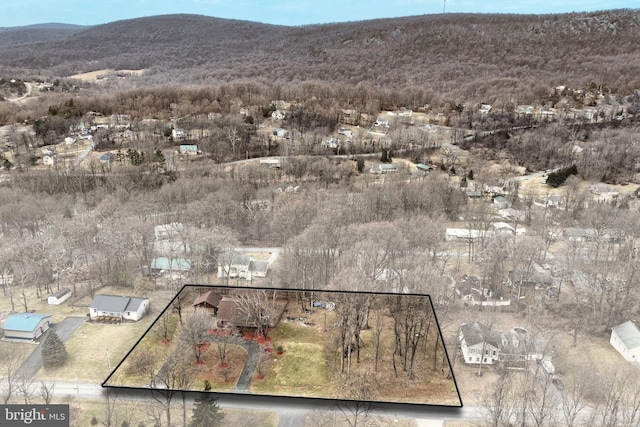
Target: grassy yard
(93, 347)
(302, 369)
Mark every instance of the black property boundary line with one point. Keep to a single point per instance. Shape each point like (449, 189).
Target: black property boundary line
(306, 398)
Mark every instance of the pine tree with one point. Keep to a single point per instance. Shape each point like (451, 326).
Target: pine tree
(206, 412)
(53, 351)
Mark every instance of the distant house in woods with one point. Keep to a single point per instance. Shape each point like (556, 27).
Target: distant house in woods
(208, 301)
(482, 345)
(26, 326)
(501, 202)
(106, 158)
(188, 149)
(59, 297)
(625, 338)
(236, 265)
(178, 134)
(127, 308)
(174, 265)
(383, 168)
(230, 313)
(168, 230)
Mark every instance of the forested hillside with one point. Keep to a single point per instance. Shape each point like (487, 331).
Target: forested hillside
(484, 58)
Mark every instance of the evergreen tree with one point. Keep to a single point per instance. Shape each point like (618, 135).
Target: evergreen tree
(470, 176)
(206, 412)
(53, 351)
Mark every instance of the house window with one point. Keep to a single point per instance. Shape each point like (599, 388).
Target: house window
(494, 353)
(128, 313)
(477, 359)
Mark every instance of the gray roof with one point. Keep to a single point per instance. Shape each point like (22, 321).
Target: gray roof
(258, 266)
(629, 334)
(116, 304)
(476, 333)
(62, 292)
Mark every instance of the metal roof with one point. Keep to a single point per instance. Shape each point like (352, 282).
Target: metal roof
(26, 322)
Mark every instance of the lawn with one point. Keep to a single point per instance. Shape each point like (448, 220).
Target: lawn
(95, 349)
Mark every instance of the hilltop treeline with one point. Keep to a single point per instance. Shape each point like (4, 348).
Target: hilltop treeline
(498, 59)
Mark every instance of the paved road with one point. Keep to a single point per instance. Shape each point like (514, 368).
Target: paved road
(33, 363)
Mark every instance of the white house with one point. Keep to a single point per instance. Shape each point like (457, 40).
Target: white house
(236, 265)
(178, 134)
(59, 297)
(482, 345)
(279, 114)
(127, 308)
(383, 168)
(625, 338)
(479, 344)
(49, 159)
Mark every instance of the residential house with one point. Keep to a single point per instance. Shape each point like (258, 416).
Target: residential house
(125, 308)
(49, 159)
(280, 132)
(465, 234)
(59, 297)
(625, 338)
(231, 313)
(603, 191)
(330, 143)
(270, 162)
(512, 214)
(381, 122)
(504, 228)
(236, 265)
(469, 288)
(346, 132)
(525, 109)
(279, 114)
(188, 149)
(555, 201)
(610, 235)
(479, 344)
(424, 168)
(536, 276)
(175, 266)
(482, 345)
(26, 326)
(106, 158)
(168, 230)
(178, 134)
(484, 109)
(383, 168)
(208, 301)
(501, 202)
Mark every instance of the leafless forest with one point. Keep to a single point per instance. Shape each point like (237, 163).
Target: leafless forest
(497, 103)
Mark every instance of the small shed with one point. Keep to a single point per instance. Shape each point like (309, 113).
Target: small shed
(625, 338)
(26, 326)
(59, 297)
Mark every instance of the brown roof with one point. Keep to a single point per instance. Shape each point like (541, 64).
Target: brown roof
(210, 298)
(228, 311)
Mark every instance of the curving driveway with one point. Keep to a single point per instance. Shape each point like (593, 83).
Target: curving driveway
(253, 356)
